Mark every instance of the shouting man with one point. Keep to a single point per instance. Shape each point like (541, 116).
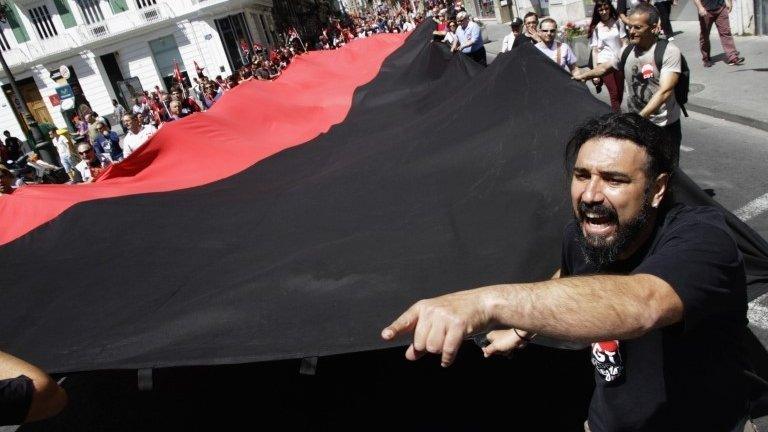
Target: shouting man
(657, 289)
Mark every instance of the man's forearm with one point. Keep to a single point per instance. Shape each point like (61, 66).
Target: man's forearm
(655, 102)
(586, 308)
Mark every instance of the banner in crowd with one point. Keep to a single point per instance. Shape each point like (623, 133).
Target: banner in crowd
(297, 217)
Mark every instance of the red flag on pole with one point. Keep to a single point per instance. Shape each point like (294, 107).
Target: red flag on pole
(177, 72)
(245, 46)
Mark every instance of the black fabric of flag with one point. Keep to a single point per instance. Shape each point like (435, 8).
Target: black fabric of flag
(443, 177)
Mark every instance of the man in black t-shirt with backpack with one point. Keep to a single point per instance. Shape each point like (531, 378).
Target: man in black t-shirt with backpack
(657, 289)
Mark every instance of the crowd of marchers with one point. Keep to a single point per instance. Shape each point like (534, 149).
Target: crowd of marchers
(631, 53)
(94, 144)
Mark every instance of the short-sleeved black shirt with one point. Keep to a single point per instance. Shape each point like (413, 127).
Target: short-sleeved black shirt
(15, 399)
(691, 375)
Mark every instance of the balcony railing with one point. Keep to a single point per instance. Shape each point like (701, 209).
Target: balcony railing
(75, 39)
(127, 21)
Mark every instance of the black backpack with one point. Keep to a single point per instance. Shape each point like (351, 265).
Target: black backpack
(681, 88)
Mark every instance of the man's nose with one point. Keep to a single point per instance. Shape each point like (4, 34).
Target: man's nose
(593, 191)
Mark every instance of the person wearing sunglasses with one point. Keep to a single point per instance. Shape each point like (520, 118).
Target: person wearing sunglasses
(92, 165)
(558, 52)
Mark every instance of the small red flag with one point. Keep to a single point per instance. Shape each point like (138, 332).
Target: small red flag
(177, 72)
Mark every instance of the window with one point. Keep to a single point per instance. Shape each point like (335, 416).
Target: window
(234, 32)
(145, 3)
(166, 52)
(91, 11)
(42, 21)
(4, 45)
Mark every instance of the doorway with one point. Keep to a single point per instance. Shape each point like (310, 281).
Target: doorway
(236, 39)
(114, 75)
(31, 95)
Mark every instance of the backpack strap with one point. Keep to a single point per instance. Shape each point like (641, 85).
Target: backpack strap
(557, 54)
(658, 53)
(625, 56)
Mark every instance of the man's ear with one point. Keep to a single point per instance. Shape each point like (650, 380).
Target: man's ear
(660, 185)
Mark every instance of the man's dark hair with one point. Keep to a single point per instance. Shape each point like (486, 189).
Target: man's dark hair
(648, 9)
(531, 14)
(6, 133)
(631, 127)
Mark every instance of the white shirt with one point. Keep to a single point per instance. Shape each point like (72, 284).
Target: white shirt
(449, 37)
(133, 141)
(408, 26)
(608, 41)
(506, 44)
(85, 170)
(62, 147)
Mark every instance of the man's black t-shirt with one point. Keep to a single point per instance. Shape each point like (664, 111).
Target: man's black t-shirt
(691, 375)
(524, 39)
(15, 399)
(13, 148)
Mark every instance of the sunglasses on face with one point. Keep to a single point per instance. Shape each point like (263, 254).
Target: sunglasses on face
(549, 31)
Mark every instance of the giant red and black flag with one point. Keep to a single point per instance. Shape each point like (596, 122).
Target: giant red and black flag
(297, 217)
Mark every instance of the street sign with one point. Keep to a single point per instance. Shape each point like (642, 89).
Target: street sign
(64, 71)
(65, 92)
(55, 100)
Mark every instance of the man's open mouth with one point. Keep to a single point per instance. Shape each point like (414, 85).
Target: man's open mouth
(598, 224)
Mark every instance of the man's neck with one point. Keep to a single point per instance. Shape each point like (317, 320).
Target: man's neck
(645, 45)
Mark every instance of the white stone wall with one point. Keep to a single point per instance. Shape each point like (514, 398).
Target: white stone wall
(199, 41)
(7, 118)
(135, 60)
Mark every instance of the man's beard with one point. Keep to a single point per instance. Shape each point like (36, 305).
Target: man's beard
(597, 250)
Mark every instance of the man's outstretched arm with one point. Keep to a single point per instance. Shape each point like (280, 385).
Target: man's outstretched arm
(582, 309)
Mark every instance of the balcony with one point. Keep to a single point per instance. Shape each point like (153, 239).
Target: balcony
(125, 22)
(90, 36)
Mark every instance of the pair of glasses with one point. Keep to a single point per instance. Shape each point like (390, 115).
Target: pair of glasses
(84, 153)
(548, 31)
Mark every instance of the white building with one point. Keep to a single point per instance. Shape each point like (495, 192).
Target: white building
(112, 46)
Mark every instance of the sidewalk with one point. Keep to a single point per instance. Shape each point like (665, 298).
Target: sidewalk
(734, 93)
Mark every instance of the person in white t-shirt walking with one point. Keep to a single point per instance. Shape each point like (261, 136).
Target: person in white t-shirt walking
(66, 153)
(137, 134)
(607, 38)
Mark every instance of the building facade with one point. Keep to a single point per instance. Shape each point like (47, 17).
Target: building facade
(99, 50)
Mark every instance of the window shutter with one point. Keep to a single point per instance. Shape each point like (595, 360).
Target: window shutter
(118, 6)
(13, 21)
(64, 13)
